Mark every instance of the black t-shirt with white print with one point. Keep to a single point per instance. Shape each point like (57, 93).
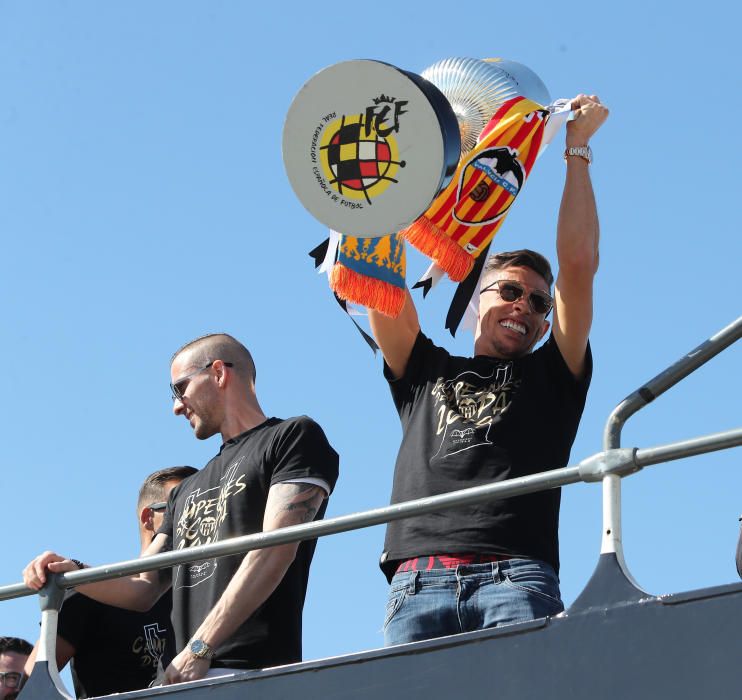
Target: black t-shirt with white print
(472, 421)
(116, 650)
(227, 498)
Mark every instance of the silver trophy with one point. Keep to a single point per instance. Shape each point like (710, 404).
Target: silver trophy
(476, 88)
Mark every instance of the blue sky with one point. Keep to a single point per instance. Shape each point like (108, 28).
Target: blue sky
(143, 202)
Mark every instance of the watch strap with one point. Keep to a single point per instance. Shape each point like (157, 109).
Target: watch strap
(584, 152)
(200, 649)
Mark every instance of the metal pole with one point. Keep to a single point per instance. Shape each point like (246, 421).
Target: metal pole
(595, 468)
(667, 379)
(611, 537)
(51, 598)
(239, 545)
(688, 448)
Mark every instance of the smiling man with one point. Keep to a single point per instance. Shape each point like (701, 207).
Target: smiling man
(509, 411)
(233, 612)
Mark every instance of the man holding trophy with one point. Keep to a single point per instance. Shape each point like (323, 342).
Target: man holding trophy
(506, 412)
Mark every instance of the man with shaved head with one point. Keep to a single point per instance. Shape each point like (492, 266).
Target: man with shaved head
(234, 612)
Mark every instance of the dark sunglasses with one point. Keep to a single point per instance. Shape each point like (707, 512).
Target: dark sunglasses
(178, 388)
(11, 679)
(160, 505)
(510, 290)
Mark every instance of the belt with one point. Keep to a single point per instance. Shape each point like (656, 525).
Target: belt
(447, 561)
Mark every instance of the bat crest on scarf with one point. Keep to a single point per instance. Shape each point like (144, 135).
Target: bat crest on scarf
(465, 217)
(489, 170)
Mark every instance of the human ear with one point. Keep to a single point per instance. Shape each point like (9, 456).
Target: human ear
(544, 328)
(146, 517)
(220, 372)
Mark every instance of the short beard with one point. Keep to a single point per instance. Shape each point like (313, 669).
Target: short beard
(204, 429)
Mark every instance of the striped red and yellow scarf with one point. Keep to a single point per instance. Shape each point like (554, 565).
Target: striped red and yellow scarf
(462, 220)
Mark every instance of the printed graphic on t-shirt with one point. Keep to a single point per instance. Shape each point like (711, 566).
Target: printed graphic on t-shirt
(203, 512)
(467, 406)
(150, 645)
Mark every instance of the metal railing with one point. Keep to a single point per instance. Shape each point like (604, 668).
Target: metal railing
(611, 541)
(619, 462)
(608, 466)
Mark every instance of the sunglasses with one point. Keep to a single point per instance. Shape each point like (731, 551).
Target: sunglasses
(178, 388)
(160, 505)
(11, 679)
(509, 290)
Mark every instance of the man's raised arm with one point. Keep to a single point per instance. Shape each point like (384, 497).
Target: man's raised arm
(258, 576)
(396, 336)
(577, 239)
(139, 592)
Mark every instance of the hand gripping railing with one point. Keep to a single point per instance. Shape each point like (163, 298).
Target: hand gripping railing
(607, 466)
(618, 462)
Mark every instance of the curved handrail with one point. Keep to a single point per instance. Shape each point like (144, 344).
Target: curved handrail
(665, 380)
(611, 539)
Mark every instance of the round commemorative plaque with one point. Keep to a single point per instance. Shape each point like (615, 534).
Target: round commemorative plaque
(367, 147)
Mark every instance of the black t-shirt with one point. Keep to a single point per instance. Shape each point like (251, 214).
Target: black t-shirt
(227, 499)
(116, 650)
(471, 421)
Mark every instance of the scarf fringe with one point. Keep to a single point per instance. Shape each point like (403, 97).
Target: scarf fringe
(430, 240)
(356, 288)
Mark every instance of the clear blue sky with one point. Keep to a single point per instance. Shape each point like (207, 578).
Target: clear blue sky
(143, 202)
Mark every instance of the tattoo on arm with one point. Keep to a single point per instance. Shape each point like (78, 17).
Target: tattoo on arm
(304, 500)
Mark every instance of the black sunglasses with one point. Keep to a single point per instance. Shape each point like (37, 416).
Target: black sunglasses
(160, 505)
(510, 290)
(178, 388)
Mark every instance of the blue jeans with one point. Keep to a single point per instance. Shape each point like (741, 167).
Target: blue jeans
(436, 603)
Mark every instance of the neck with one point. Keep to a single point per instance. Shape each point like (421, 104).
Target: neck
(240, 419)
(482, 347)
(145, 539)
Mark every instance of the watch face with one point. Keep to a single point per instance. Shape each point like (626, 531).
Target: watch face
(201, 649)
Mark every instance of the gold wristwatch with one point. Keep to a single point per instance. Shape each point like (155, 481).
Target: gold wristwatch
(200, 649)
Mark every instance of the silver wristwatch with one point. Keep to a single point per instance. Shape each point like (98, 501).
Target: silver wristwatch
(584, 152)
(200, 649)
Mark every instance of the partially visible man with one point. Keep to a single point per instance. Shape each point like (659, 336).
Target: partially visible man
(233, 612)
(508, 411)
(13, 655)
(115, 650)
